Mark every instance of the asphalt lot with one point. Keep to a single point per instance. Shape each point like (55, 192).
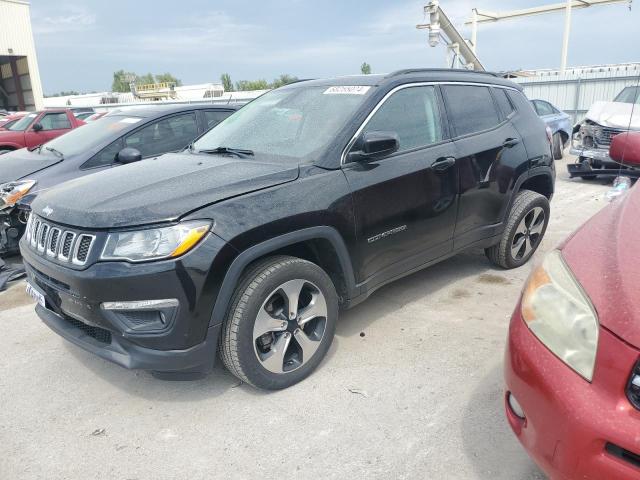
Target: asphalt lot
(411, 388)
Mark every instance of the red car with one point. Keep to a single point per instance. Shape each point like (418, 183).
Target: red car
(572, 364)
(37, 128)
(8, 120)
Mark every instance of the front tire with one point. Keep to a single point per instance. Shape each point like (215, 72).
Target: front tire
(526, 226)
(280, 324)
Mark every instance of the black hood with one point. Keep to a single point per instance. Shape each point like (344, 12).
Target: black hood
(22, 163)
(152, 191)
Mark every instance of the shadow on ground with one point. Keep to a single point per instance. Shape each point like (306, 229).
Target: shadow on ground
(487, 438)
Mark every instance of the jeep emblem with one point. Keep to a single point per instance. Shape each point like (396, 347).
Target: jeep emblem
(47, 210)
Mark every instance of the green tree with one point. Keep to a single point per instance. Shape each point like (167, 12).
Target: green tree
(244, 85)
(145, 79)
(225, 78)
(282, 80)
(168, 78)
(365, 68)
(121, 81)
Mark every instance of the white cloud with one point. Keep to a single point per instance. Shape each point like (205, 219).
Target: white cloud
(67, 22)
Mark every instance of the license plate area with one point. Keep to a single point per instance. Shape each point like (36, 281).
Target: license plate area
(34, 293)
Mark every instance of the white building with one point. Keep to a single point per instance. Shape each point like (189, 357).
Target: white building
(20, 87)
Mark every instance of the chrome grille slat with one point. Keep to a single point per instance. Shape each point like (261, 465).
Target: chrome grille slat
(53, 242)
(65, 246)
(43, 235)
(82, 248)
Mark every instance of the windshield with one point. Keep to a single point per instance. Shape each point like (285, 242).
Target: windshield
(91, 135)
(22, 124)
(629, 95)
(294, 123)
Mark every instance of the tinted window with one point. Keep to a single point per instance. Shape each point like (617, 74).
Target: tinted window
(106, 156)
(413, 114)
(167, 135)
(90, 136)
(471, 109)
(214, 117)
(503, 101)
(629, 95)
(55, 121)
(543, 108)
(22, 124)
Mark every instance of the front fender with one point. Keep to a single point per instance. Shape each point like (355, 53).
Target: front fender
(232, 276)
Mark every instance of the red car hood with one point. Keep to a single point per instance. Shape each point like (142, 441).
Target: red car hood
(605, 258)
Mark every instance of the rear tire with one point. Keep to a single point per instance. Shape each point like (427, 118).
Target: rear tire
(525, 228)
(558, 146)
(280, 324)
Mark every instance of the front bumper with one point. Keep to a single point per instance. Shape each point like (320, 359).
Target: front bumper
(599, 154)
(573, 428)
(187, 342)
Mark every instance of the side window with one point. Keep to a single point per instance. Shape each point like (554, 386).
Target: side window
(471, 109)
(503, 101)
(543, 108)
(167, 135)
(412, 113)
(55, 121)
(106, 156)
(214, 117)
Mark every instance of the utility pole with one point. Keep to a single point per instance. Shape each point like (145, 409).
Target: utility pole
(459, 52)
(478, 16)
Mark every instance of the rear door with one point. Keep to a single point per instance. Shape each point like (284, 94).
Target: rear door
(210, 118)
(405, 202)
(491, 155)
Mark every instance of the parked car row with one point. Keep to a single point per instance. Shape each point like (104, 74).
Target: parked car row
(248, 242)
(119, 138)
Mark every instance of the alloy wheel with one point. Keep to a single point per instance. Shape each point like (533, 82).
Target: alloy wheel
(528, 234)
(290, 326)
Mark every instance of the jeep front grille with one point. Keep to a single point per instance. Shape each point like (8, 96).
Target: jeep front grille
(57, 242)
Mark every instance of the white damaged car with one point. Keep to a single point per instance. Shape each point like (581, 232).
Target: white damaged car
(592, 138)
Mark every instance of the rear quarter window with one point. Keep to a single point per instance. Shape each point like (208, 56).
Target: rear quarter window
(503, 102)
(471, 108)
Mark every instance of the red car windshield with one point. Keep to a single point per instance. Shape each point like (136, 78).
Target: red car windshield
(22, 124)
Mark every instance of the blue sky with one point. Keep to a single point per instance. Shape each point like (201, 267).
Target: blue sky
(81, 43)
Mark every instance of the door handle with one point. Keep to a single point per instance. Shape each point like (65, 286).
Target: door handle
(443, 163)
(510, 142)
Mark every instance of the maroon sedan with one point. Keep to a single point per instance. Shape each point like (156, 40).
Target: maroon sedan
(572, 365)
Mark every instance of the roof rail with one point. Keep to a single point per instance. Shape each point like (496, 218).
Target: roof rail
(407, 71)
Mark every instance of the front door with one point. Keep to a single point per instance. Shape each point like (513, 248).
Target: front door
(405, 202)
(53, 125)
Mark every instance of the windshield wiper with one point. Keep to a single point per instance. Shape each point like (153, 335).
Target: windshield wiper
(54, 151)
(240, 152)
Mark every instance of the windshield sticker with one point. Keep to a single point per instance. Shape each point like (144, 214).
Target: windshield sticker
(347, 90)
(130, 120)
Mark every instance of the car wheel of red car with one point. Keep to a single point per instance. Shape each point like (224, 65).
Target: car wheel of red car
(526, 226)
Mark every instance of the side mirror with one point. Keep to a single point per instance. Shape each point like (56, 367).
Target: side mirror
(37, 127)
(625, 148)
(128, 155)
(375, 145)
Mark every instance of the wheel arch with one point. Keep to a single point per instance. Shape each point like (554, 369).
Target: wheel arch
(541, 183)
(322, 245)
(8, 146)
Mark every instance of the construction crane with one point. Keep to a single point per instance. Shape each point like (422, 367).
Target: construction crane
(482, 16)
(460, 53)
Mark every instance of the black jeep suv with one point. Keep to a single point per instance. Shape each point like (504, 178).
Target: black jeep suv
(303, 202)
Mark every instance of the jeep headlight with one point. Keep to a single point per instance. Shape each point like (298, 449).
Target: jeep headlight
(559, 313)
(11, 192)
(154, 243)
